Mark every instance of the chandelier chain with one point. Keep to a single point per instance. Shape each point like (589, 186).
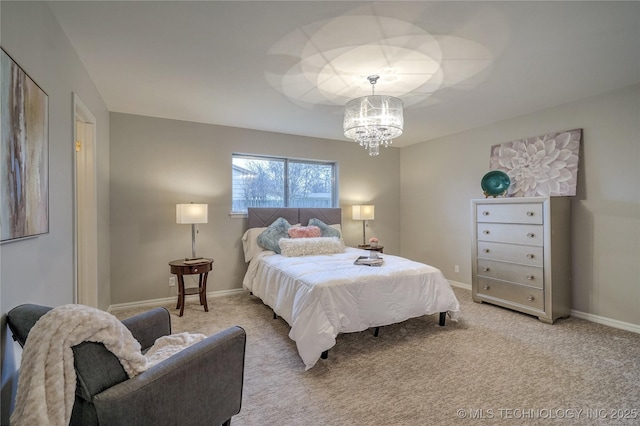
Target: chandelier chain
(373, 79)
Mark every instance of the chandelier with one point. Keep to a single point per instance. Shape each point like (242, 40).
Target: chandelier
(373, 120)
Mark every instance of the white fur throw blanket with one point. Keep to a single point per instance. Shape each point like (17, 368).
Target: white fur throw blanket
(47, 382)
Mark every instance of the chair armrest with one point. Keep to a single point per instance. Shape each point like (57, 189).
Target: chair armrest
(98, 369)
(200, 385)
(22, 318)
(148, 326)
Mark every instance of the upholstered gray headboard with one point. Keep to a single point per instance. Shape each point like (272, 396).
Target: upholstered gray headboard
(261, 217)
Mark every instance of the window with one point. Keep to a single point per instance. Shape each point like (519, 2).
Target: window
(282, 182)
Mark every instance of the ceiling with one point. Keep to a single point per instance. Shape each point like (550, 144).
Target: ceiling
(289, 66)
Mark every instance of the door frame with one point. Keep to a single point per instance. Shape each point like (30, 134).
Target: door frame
(85, 206)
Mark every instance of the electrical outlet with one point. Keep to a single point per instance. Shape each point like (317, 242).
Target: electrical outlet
(456, 269)
(172, 281)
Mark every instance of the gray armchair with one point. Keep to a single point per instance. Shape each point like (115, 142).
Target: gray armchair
(201, 385)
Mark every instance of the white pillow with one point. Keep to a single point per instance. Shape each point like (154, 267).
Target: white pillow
(250, 243)
(292, 247)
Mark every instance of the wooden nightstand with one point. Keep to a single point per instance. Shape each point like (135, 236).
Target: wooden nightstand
(368, 247)
(182, 267)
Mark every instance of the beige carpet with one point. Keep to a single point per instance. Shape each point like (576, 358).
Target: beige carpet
(494, 366)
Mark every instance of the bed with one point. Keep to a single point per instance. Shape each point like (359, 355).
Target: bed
(322, 294)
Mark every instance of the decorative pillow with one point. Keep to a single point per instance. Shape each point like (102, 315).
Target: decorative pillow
(325, 230)
(250, 243)
(292, 247)
(304, 232)
(269, 238)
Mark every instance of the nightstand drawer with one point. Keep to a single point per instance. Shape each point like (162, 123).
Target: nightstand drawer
(524, 255)
(198, 269)
(511, 233)
(526, 275)
(509, 213)
(519, 294)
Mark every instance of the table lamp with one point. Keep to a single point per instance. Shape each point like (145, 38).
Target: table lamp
(363, 212)
(192, 214)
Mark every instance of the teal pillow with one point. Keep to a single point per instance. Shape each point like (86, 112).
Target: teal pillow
(270, 237)
(325, 230)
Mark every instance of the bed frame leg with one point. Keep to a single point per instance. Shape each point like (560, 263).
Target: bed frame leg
(443, 318)
(275, 316)
(375, 331)
(325, 354)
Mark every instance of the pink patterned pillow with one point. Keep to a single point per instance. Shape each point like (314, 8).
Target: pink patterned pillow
(304, 232)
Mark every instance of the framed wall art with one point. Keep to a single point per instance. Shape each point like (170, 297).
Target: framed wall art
(545, 165)
(24, 171)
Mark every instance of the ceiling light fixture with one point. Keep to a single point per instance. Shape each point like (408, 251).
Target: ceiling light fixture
(373, 120)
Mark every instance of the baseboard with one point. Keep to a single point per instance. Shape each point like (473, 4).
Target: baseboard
(171, 299)
(634, 328)
(606, 321)
(461, 285)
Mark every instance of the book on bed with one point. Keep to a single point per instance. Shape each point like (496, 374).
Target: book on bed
(365, 260)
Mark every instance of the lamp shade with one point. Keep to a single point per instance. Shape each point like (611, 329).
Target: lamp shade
(191, 213)
(375, 117)
(363, 212)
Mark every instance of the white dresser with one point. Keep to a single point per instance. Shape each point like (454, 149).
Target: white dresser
(521, 255)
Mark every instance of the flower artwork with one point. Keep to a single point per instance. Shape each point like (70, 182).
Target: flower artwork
(544, 165)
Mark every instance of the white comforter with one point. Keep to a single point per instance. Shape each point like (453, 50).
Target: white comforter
(321, 296)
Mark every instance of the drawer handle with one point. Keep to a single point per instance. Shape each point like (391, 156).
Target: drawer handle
(485, 287)
(195, 270)
(530, 298)
(485, 232)
(530, 256)
(485, 269)
(486, 250)
(529, 213)
(531, 235)
(530, 277)
(485, 213)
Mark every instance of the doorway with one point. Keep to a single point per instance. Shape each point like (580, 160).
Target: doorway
(86, 206)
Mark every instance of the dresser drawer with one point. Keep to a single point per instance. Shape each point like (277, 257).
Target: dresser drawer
(519, 294)
(524, 255)
(510, 213)
(511, 233)
(526, 275)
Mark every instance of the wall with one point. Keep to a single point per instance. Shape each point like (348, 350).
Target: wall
(41, 270)
(158, 163)
(439, 177)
